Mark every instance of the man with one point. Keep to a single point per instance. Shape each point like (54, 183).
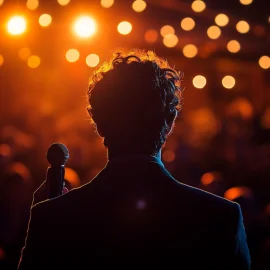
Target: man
(134, 211)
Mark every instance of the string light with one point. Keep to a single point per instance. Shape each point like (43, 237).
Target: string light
(32, 4)
(170, 40)
(72, 55)
(16, 25)
(92, 60)
(222, 19)
(24, 53)
(199, 81)
(45, 20)
(190, 51)
(167, 30)
(63, 2)
(246, 2)
(242, 27)
(1, 60)
(198, 6)
(85, 26)
(228, 82)
(168, 156)
(33, 61)
(106, 3)
(1, 2)
(187, 24)
(264, 62)
(139, 5)
(213, 32)
(124, 27)
(233, 46)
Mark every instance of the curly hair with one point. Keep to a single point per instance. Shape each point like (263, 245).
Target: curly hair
(134, 99)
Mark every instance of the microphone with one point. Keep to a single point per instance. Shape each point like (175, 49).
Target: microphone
(57, 156)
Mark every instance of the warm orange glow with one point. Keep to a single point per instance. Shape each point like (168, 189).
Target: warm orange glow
(72, 177)
(198, 6)
(199, 81)
(72, 55)
(187, 24)
(85, 26)
(63, 2)
(236, 192)
(213, 32)
(16, 25)
(207, 179)
(32, 4)
(233, 46)
(240, 106)
(1, 60)
(151, 36)
(106, 3)
(1, 2)
(168, 156)
(246, 2)
(170, 40)
(228, 82)
(242, 27)
(166, 30)
(33, 61)
(139, 5)
(190, 51)
(24, 53)
(264, 62)
(124, 28)
(222, 19)
(265, 120)
(92, 60)
(45, 20)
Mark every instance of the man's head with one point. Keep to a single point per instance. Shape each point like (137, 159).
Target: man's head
(134, 99)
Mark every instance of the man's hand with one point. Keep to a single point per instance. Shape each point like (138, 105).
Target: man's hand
(41, 195)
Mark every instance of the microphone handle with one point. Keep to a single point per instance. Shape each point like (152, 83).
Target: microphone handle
(55, 181)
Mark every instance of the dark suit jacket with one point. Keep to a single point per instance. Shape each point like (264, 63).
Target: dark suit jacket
(136, 212)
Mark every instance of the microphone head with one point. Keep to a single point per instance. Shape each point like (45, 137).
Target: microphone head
(57, 154)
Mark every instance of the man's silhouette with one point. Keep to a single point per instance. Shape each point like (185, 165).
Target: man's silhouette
(134, 211)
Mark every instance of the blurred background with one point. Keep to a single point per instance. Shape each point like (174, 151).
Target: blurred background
(221, 142)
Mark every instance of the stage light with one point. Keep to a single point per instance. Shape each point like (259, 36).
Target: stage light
(198, 6)
(168, 156)
(24, 53)
(124, 27)
(151, 36)
(1, 60)
(72, 55)
(106, 3)
(199, 81)
(233, 46)
(92, 60)
(190, 51)
(16, 25)
(139, 5)
(85, 26)
(228, 82)
(33, 61)
(32, 4)
(45, 20)
(187, 24)
(170, 40)
(242, 27)
(167, 30)
(221, 19)
(63, 2)
(1, 2)
(246, 2)
(264, 62)
(213, 32)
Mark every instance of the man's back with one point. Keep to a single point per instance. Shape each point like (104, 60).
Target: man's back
(135, 209)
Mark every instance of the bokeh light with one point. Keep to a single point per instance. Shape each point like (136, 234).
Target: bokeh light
(1, 60)
(72, 55)
(187, 24)
(221, 19)
(228, 82)
(124, 28)
(16, 25)
(139, 5)
(166, 30)
(233, 46)
(168, 156)
(199, 81)
(151, 35)
(198, 6)
(24, 53)
(264, 62)
(213, 32)
(190, 51)
(207, 178)
(45, 20)
(1, 2)
(92, 60)
(106, 3)
(63, 2)
(33, 61)
(170, 40)
(242, 27)
(85, 26)
(246, 2)
(32, 4)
